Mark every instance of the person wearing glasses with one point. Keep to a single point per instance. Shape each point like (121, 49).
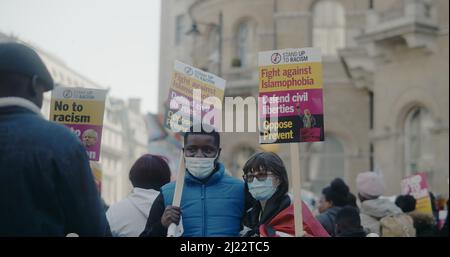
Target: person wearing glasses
(270, 212)
(212, 203)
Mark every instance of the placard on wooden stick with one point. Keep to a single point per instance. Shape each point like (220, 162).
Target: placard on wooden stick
(290, 90)
(186, 108)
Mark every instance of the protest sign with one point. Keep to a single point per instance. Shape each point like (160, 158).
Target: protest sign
(290, 87)
(195, 98)
(81, 110)
(417, 186)
(185, 106)
(291, 107)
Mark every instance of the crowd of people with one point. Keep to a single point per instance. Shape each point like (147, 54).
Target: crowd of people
(47, 187)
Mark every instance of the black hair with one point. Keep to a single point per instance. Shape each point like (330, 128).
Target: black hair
(270, 162)
(351, 200)
(204, 130)
(337, 192)
(348, 217)
(406, 202)
(150, 172)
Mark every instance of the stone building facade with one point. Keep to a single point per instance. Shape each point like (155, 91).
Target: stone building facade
(385, 78)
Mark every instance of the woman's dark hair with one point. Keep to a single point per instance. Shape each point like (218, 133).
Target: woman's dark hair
(406, 202)
(150, 172)
(337, 192)
(270, 162)
(351, 200)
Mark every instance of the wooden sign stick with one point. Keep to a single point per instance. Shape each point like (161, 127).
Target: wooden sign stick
(296, 185)
(171, 231)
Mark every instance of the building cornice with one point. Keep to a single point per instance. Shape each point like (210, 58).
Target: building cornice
(412, 27)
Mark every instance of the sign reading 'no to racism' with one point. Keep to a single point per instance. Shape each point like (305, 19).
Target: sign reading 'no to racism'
(81, 110)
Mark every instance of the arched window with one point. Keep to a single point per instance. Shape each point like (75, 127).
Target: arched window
(326, 162)
(328, 27)
(243, 42)
(418, 146)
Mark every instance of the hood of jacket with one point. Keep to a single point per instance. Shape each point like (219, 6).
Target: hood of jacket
(143, 199)
(379, 208)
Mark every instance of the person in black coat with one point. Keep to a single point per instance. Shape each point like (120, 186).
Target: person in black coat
(334, 197)
(348, 223)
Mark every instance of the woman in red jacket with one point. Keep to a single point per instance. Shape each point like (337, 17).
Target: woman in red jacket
(268, 204)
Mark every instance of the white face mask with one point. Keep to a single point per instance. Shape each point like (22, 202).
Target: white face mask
(262, 190)
(200, 167)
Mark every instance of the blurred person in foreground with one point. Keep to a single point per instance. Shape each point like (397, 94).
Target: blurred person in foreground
(46, 184)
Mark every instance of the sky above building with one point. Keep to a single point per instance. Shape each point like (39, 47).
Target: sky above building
(112, 42)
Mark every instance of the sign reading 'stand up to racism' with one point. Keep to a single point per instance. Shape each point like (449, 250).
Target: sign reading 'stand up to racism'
(291, 107)
(194, 96)
(81, 110)
(290, 88)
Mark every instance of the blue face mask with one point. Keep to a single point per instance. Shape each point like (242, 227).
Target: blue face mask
(262, 190)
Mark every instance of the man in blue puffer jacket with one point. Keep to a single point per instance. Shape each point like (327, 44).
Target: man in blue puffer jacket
(212, 203)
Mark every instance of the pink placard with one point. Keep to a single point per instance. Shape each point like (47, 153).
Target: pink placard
(291, 103)
(90, 136)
